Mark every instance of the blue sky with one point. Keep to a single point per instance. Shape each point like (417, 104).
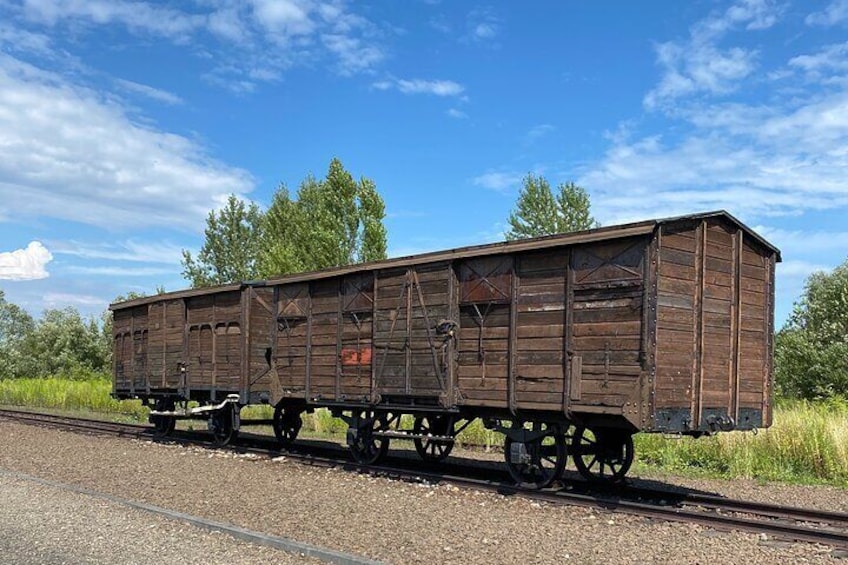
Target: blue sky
(123, 123)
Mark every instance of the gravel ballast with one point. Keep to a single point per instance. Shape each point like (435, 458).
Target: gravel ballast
(379, 518)
(44, 525)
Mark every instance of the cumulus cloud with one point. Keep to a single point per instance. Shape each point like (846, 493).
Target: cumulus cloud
(70, 153)
(25, 264)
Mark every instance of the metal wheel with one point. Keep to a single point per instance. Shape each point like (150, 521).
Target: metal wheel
(163, 426)
(540, 458)
(603, 455)
(366, 448)
(222, 425)
(433, 449)
(287, 423)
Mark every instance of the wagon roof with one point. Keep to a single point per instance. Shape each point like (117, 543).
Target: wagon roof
(598, 234)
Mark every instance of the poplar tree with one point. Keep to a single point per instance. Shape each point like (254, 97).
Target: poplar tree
(332, 222)
(539, 212)
(230, 247)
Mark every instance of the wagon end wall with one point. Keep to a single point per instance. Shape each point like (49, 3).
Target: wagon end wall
(714, 328)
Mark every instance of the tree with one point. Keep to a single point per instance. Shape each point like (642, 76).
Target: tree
(811, 351)
(333, 222)
(230, 247)
(64, 344)
(538, 212)
(15, 325)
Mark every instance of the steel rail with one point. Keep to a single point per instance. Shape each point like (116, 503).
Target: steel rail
(772, 516)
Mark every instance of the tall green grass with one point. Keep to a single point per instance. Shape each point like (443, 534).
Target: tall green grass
(808, 442)
(67, 394)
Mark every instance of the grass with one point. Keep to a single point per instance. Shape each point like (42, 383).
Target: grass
(807, 444)
(66, 394)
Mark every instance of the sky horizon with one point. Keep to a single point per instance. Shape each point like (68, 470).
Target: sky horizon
(123, 123)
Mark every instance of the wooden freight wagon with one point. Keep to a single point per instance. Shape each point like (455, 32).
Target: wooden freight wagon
(568, 344)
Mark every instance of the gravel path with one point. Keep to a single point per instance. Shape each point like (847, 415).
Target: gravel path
(382, 519)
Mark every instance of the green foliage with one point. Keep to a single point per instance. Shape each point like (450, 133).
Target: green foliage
(15, 325)
(333, 222)
(60, 343)
(230, 246)
(539, 212)
(811, 351)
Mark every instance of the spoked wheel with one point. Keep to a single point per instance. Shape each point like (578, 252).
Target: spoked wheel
(433, 449)
(222, 425)
(287, 423)
(367, 448)
(163, 425)
(602, 455)
(538, 460)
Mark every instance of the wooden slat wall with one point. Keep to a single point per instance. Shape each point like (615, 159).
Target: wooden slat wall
(409, 304)
(755, 329)
(540, 329)
(291, 341)
(678, 300)
(122, 350)
(228, 341)
(713, 327)
(356, 352)
(324, 362)
(607, 322)
(173, 339)
(717, 377)
(213, 331)
(156, 344)
(139, 347)
(484, 292)
(259, 339)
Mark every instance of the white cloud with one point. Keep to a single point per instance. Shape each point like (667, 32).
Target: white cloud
(257, 40)
(284, 17)
(353, 54)
(69, 153)
(25, 264)
(836, 12)
(537, 132)
(149, 91)
(22, 41)
(500, 181)
(699, 65)
(799, 269)
(483, 25)
(782, 155)
(61, 299)
(830, 58)
(131, 250)
(136, 16)
(420, 86)
(457, 114)
(117, 271)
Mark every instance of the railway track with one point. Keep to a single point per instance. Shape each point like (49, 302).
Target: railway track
(782, 522)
